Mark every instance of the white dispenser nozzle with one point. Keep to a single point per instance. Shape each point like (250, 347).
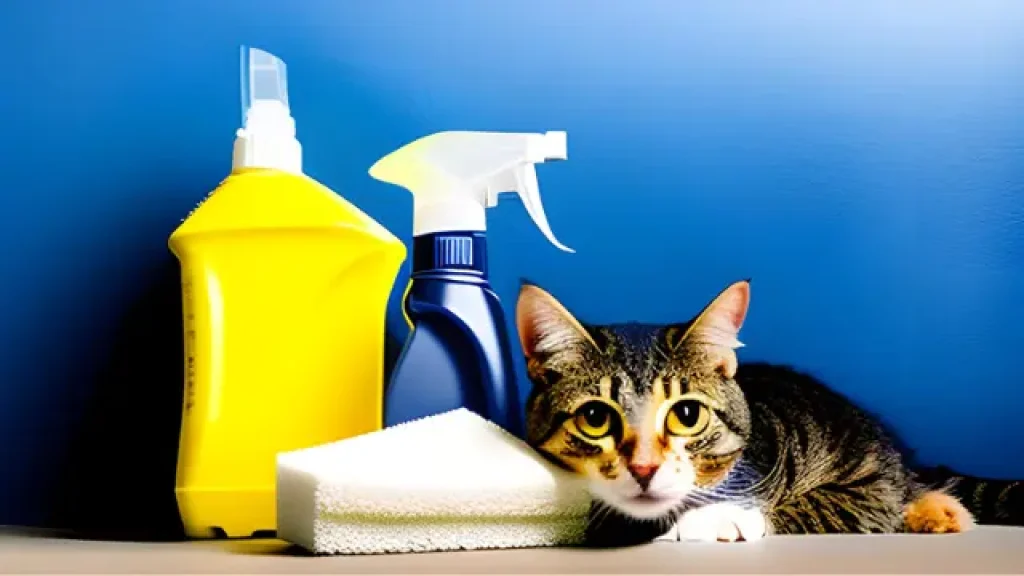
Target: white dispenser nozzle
(267, 138)
(455, 176)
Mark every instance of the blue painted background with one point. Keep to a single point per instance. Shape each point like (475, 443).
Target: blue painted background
(863, 163)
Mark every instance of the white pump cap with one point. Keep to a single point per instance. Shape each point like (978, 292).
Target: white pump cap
(267, 139)
(455, 176)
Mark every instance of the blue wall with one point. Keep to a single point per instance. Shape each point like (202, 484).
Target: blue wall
(864, 164)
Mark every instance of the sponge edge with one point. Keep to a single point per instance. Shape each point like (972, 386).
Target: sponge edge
(453, 481)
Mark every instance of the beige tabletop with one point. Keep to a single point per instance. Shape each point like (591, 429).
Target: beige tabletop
(985, 550)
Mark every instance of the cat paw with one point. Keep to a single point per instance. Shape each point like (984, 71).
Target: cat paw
(722, 522)
(936, 512)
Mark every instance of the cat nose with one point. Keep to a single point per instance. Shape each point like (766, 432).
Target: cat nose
(643, 473)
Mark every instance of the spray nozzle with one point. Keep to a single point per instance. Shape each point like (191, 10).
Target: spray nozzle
(264, 80)
(454, 176)
(267, 138)
(550, 146)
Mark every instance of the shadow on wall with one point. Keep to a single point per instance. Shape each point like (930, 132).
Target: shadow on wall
(118, 480)
(119, 474)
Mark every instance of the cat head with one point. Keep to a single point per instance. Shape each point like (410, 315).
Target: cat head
(650, 414)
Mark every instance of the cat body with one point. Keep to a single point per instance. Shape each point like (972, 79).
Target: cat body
(677, 438)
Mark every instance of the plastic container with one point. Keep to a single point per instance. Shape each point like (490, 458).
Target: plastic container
(285, 287)
(458, 352)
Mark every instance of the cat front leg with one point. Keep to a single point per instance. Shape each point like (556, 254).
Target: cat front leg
(723, 522)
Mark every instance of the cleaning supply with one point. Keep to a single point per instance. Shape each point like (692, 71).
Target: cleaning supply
(451, 481)
(457, 354)
(285, 287)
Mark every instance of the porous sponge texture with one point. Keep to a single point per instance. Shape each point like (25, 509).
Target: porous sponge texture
(453, 481)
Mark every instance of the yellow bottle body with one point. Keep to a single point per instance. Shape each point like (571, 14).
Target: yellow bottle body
(285, 288)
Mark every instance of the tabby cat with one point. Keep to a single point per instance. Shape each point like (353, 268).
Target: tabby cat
(679, 441)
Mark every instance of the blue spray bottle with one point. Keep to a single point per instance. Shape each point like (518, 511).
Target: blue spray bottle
(458, 352)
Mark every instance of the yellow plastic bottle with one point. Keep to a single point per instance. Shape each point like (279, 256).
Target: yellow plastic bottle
(285, 288)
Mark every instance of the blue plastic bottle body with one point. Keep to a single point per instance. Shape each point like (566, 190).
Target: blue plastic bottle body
(458, 352)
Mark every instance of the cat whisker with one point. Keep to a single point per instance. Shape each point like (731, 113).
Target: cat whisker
(698, 499)
(748, 490)
(664, 355)
(600, 515)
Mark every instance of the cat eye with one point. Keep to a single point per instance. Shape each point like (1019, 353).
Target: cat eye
(595, 419)
(687, 418)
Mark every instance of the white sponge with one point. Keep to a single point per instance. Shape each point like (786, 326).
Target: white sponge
(453, 481)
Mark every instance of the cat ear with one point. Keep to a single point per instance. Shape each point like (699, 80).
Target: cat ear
(717, 327)
(545, 326)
